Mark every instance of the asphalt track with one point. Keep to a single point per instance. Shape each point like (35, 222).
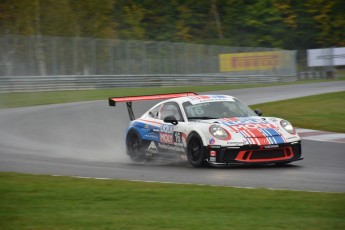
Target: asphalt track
(86, 139)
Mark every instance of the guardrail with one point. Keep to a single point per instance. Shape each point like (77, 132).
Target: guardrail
(82, 82)
(331, 74)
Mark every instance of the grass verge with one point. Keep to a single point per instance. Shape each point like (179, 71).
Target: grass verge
(46, 202)
(321, 112)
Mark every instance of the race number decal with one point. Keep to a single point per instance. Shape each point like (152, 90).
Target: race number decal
(177, 137)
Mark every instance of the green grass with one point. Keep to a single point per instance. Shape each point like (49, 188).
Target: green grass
(320, 112)
(46, 202)
(9, 100)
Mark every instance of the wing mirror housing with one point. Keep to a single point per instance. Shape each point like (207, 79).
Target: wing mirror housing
(171, 119)
(258, 112)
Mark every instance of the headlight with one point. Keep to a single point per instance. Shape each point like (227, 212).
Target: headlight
(219, 132)
(287, 126)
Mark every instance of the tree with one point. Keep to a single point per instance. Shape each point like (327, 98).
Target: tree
(16, 17)
(183, 30)
(94, 18)
(57, 18)
(289, 24)
(132, 26)
(329, 19)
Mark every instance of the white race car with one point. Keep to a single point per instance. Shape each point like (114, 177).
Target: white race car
(208, 130)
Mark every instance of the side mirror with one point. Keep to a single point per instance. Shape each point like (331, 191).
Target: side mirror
(171, 119)
(258, 112)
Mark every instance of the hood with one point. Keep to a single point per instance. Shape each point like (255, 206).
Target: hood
(251, 126)
(256, 130)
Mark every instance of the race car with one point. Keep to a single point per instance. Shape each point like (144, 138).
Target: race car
(208, 130)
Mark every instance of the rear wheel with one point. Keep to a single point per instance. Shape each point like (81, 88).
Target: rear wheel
(195, 151)
(135, 148)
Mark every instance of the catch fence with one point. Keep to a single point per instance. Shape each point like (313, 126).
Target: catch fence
(31, 63)
(45, 56)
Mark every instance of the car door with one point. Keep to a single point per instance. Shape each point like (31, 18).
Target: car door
(172, 137)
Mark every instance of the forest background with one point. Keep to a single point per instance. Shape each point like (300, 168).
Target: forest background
(287, 24)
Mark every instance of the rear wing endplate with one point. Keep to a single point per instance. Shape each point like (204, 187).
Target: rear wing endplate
(130, 99)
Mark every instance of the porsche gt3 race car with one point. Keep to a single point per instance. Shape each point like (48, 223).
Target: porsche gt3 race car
(208, 130)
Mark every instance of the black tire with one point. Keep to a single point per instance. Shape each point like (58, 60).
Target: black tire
(196, 151)
(134, 146)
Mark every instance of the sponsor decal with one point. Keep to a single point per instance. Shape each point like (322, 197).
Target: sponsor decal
(238, 128)
(213, 153)
(271, 146)
(240, 124)
(290, 138)
(152, 148)
(250, 61)
(171, 147)
(235, 143)
(179, 144)
(212, 141)
(243, 121)
(212, 98)
(213, 159)
(326, 57)
(166, 134)
(167, 129)
(166, 138)
(151, 136)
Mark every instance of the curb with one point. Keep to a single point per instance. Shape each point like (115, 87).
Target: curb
(316, 135)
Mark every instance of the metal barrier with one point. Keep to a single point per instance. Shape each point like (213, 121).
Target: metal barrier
(314, 75)
(81, 82)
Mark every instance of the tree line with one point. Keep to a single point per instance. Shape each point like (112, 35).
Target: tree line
(287, 24)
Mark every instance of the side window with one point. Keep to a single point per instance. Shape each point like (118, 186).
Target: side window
(154, 113)
(171, 109)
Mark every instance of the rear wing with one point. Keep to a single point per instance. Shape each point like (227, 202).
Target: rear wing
(130, 99)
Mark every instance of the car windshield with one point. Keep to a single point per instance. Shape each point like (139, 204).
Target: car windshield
(217, 109)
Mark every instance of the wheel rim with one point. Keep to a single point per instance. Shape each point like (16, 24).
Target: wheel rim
(194, 150)
(134, 145)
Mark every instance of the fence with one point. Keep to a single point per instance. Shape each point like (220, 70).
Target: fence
(31, 63)
(45, 55)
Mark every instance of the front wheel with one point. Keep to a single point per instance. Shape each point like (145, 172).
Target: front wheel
(134, 146)
(195, 151)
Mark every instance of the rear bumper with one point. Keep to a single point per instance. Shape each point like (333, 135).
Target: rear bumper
(255, 154)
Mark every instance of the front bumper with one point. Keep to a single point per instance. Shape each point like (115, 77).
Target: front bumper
(255, 154)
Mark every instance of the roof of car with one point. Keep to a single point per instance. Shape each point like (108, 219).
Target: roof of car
(203, 98)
